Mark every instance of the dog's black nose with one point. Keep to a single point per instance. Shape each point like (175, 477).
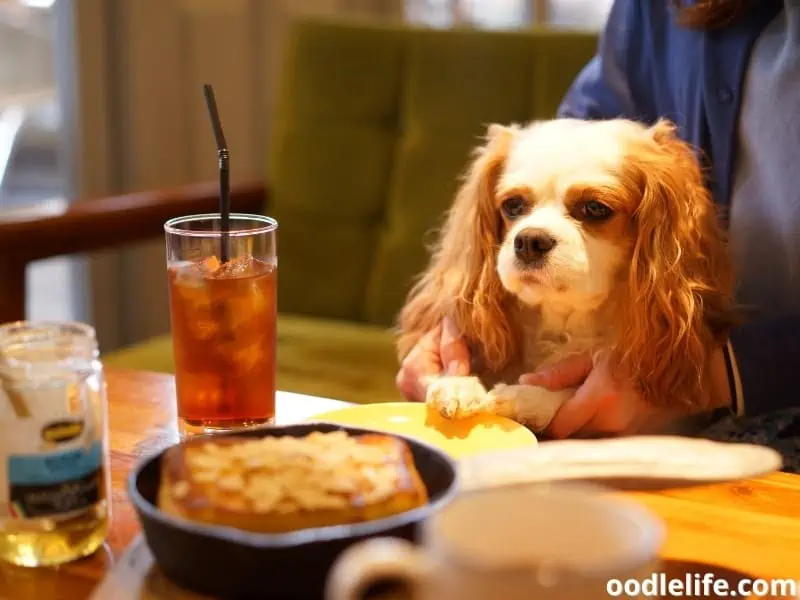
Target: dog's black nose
(532, 244)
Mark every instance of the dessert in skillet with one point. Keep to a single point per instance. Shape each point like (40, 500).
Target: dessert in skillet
(283, 484)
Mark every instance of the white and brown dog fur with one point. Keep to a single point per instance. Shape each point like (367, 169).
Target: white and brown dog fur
(572, 236)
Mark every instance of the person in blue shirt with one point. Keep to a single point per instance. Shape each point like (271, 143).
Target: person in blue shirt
(727, 73)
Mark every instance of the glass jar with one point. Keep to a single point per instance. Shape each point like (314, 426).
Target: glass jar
(54, 476)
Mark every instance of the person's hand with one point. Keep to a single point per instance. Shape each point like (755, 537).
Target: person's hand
(604, 402)
(441, 350)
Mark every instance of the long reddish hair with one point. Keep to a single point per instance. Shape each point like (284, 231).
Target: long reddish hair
(711, 14)
(679, 294)
(461, 282)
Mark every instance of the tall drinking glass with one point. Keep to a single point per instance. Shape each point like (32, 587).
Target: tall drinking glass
(223, 320)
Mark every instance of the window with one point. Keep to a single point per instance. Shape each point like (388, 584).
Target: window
(490, 14)
(578, 14)
(32, 179)
(508, 14)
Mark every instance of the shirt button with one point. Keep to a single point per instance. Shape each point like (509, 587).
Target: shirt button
(724, 95)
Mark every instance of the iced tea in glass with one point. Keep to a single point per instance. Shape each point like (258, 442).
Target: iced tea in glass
(223, 314)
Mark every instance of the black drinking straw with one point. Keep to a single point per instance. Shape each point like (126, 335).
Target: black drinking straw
(224, 173)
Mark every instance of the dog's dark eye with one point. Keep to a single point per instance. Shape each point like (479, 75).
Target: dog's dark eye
(595, 211)
(514, 207)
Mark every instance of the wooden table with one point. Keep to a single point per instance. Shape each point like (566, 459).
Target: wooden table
(744, 529)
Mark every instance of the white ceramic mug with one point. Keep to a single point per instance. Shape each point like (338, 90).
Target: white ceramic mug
(545, 541)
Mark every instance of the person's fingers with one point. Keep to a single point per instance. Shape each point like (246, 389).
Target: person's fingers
(579, 409)
(567, 373)
(620, 410)
(420, 364)
(429, 344)
(409, 385)
(453, 350)
(618, 417)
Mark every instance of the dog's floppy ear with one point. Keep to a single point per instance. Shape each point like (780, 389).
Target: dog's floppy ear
(680, 284)
(500, 133)
(461, 280)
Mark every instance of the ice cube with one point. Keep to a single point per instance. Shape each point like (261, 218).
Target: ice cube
(194, 274)
(195, 300)
(211, 263)
(246, 313)
(243, 359)
(242, 266)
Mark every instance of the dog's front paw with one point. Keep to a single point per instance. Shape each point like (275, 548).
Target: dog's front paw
(533, 406)
(457, 397)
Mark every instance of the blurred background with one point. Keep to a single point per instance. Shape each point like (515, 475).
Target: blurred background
(100, 97)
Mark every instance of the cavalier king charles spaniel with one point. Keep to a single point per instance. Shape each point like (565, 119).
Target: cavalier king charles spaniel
(571, 236)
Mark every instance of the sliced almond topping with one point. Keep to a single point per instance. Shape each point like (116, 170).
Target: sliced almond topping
(205, 476)
(180, 489)
(284, 474)
(231, 483)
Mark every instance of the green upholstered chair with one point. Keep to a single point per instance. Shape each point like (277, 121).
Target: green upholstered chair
(374, 125)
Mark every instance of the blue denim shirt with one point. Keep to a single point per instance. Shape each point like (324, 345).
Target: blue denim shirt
(648, 67)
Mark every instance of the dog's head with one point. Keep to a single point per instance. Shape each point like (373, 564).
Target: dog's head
(585, 215)
(564, 201)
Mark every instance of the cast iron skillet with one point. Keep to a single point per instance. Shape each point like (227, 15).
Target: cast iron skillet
(233, 564)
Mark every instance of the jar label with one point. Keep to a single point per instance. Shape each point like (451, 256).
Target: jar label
(41, 485)
(50, 465)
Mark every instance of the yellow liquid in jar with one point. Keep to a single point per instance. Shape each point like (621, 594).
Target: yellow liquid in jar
(55, 487)
(47, 541)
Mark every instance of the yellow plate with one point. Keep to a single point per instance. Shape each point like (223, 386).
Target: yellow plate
(462, 438)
